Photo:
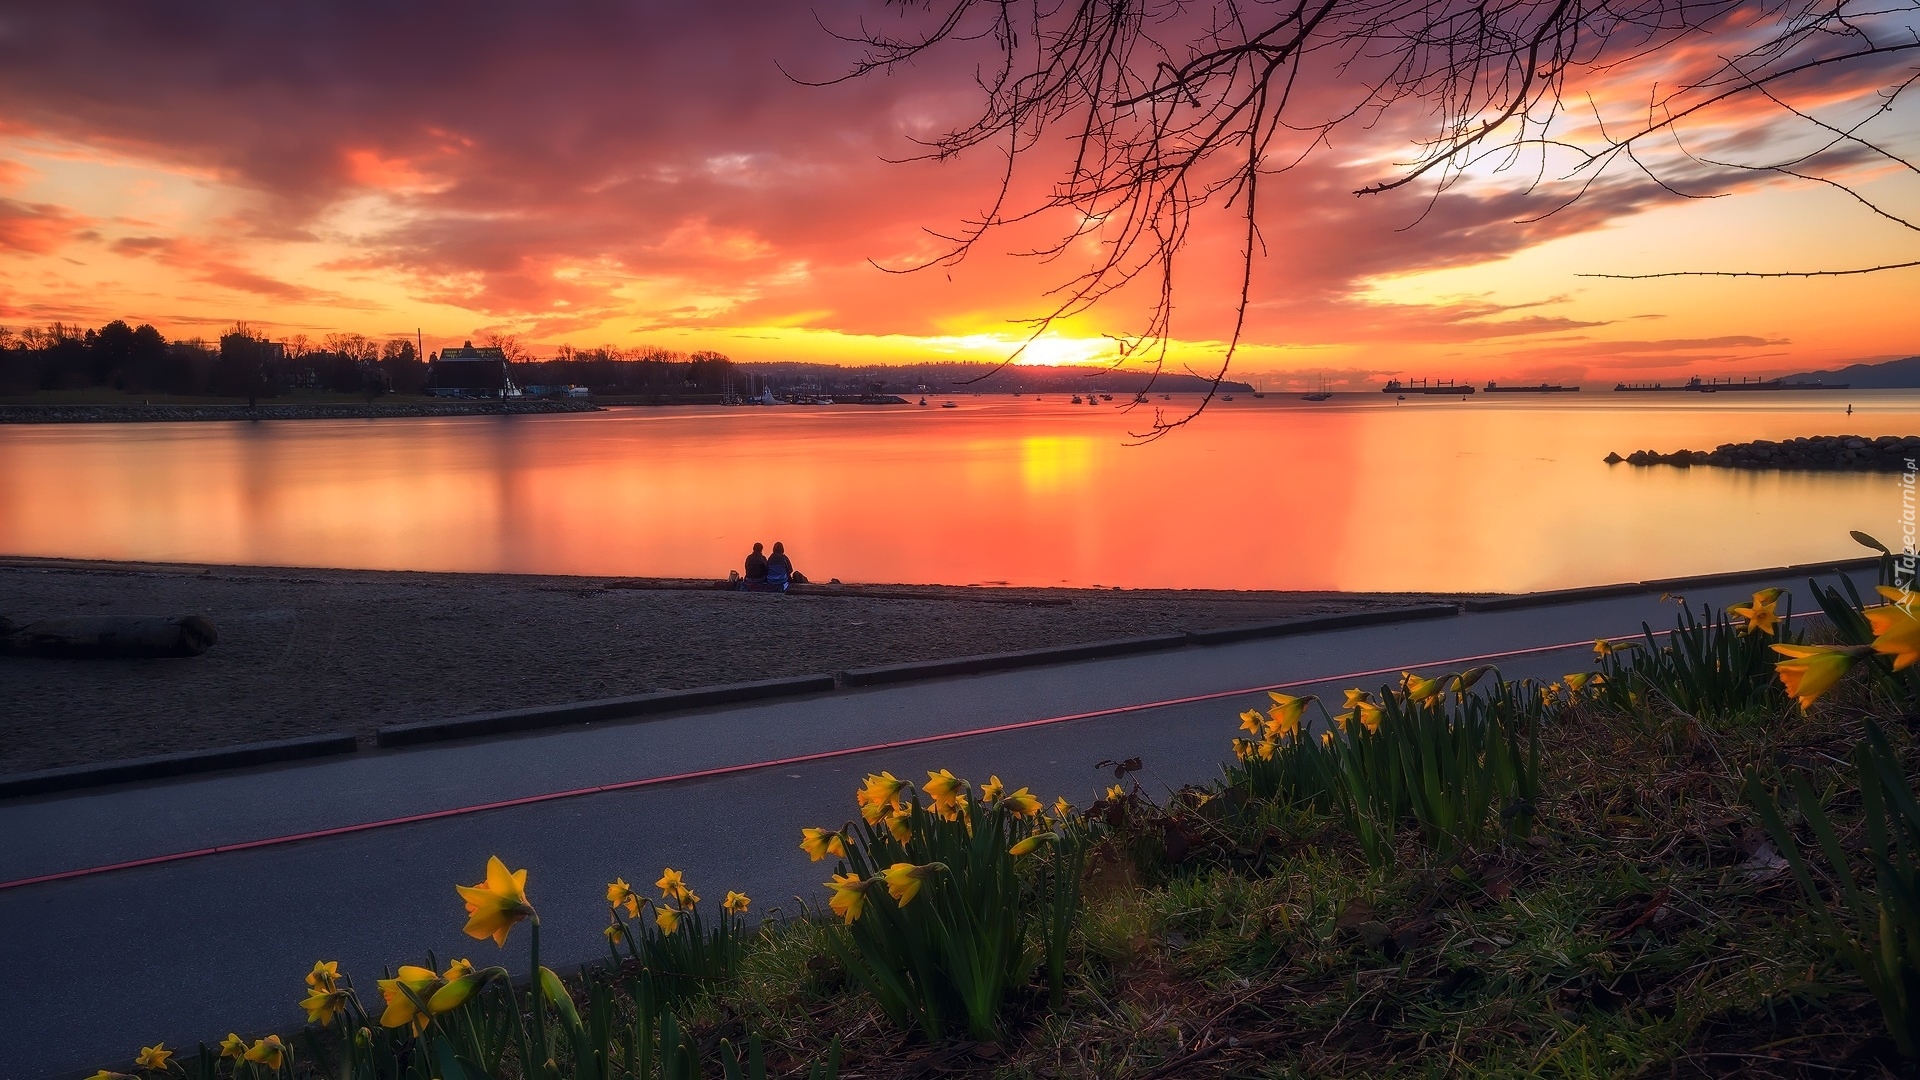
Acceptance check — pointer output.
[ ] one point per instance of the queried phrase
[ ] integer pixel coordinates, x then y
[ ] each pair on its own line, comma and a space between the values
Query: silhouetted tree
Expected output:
1165, 108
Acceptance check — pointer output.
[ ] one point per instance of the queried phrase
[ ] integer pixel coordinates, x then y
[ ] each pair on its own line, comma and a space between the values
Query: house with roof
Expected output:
470, 372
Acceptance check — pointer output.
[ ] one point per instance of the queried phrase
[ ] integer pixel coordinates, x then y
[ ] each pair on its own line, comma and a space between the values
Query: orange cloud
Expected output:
39, 228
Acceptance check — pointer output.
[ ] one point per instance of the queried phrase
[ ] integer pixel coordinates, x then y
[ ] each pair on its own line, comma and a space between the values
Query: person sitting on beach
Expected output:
757, 567
780, 568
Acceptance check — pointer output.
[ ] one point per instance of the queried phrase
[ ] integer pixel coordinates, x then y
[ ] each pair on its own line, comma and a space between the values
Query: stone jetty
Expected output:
1851, 453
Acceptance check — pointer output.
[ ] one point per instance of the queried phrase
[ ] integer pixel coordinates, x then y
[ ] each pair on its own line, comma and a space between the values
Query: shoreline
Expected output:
374, 410
303, 651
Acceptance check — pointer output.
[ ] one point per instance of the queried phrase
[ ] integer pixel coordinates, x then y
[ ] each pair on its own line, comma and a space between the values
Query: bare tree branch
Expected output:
1167, 108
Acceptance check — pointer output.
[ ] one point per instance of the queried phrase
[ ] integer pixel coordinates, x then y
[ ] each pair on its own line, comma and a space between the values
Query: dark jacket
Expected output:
756, 567
779, 568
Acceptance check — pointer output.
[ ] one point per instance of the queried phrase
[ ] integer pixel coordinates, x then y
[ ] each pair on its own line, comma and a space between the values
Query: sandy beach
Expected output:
308, 651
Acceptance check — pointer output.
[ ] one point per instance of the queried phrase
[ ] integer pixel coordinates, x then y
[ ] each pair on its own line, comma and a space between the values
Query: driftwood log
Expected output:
109, 637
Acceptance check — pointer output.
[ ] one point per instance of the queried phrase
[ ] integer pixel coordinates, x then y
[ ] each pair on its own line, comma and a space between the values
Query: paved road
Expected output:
93, 967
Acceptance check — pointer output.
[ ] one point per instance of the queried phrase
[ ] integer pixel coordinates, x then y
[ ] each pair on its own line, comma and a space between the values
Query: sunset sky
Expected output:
646, 174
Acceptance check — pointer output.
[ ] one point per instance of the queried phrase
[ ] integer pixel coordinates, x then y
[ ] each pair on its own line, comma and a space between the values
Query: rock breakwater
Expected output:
1852, 453
130, 414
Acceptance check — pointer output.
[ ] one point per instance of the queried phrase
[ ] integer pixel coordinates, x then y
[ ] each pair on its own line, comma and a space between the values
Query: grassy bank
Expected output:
1450, 876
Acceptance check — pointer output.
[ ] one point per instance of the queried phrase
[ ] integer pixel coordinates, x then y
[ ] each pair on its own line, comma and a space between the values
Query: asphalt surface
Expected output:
95, 966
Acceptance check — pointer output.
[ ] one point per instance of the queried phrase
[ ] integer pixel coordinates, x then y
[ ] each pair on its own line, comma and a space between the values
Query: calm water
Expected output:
1357, 493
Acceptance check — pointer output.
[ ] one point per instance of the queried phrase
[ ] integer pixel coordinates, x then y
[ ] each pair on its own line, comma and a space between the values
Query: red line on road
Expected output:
755, 766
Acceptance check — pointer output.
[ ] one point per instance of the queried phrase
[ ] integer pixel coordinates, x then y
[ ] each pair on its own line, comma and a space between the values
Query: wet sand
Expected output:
303, 652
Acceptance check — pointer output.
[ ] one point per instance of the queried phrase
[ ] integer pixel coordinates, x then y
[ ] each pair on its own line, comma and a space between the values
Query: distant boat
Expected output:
948, 405
1228, 397
1142, 396
1422, 386
1321, 394
1076, 399
1543, 388
1106, 397
923, 403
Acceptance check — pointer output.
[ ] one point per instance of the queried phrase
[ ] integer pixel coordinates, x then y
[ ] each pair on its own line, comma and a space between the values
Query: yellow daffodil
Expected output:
877, 793
104, 1074
849, 895
401, 993
671, 884
667, 917
324, 976
1577, 681
946, 790
1023, 803
620, 894
1114, 793
233, 1046
990, 791
1369, 715
1242, 749
1355, 697
496, 904
1253, 721
616, 933
735, 903
1896, 631
153, 1057
1760, 616
1811, 670
900, 824
1032, 843
904, 879
819, 843
1283, 722
324, 1005
1265, 748
1061, 807
269, 1051
1421, 689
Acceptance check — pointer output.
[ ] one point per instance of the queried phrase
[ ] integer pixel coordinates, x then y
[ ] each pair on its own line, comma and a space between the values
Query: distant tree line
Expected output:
241, 364
611, 371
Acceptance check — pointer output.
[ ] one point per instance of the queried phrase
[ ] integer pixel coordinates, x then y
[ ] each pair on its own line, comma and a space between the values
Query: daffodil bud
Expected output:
453, 995
1032, 843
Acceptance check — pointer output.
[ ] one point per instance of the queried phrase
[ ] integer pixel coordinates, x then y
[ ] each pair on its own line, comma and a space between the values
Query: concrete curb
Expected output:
166, 765
581, 712
974, 665
1307, 624
1635, 588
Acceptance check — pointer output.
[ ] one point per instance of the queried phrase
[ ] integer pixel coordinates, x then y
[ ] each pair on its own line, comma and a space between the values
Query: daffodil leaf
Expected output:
1867, 541
447, 1062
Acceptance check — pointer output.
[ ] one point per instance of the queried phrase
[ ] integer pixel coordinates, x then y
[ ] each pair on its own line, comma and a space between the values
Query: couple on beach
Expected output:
771, 573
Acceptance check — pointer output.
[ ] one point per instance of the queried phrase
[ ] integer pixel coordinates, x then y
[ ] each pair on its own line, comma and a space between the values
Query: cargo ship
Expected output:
1422, 386
1710, 386
1543, 388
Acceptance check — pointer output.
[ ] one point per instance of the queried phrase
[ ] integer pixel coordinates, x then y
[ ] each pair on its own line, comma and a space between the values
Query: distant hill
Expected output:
1891, 375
